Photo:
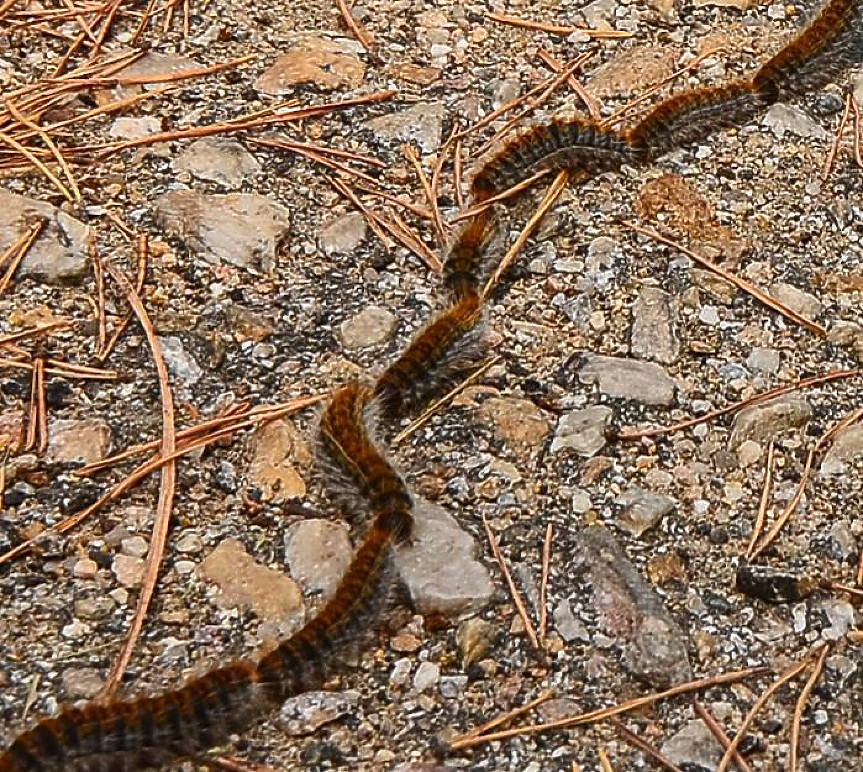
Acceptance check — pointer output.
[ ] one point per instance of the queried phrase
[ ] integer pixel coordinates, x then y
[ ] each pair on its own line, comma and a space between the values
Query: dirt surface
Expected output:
276, 289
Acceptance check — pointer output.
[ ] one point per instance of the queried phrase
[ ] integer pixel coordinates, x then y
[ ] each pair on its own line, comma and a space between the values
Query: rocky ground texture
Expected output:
266, 284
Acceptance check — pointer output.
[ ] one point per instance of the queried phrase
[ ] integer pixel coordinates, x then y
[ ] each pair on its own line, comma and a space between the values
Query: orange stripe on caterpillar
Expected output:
357, 465
433, 359
826, 47
570, 143
694, 115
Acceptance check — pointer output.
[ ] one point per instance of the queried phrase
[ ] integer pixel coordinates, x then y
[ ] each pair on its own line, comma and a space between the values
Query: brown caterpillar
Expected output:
152, 731
830, 44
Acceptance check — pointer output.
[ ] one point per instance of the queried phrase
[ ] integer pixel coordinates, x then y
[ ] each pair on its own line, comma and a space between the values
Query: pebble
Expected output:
277, 448
401, 672
850, 334
845, 450
308, 712
840, 614
694, 746
246, 584
653, 327
318, 553
129, 570
641, 509
764, 360
93, 608
372, 326
784, 119
135, 128
633, 71
189, 543
749, 453
328, 64
241, 229
59, 254
82, 683
582, 430
85, 569
796, 299
519, 423
630, 611
426, 677
422, 123
644, 382
473, 638
769, 420
180, 363
218, 159
134, 546
344, 234
569, 628
440, 567
452, 687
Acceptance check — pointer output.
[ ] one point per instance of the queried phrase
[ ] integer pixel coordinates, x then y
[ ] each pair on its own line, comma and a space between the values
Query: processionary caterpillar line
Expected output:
123, 736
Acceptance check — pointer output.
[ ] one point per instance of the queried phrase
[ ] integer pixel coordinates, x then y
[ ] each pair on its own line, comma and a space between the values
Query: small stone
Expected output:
318, 553
189, 544
846, 449
570, 628
426, 676
765, 360
653, 335
693, 746
306, 713
59, 254
180, 363
134, 546
344, 234
405, 643
82, 683
401, 672
644, 382
631, 612
328, 64
370, 327
128, 570
134, 128
277, 449
85, 569
642, 510
784, 119
518, 422
749, 453
769, 420
242, 229
422, 123
797, 300
840, 614
439, 566
217, 159
474, 640
245, 584
452, 687
709, 315
582, 430
93, 608
633, 71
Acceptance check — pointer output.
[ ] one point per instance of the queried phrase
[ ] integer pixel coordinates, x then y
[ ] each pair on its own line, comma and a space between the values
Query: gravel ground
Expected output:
277, 290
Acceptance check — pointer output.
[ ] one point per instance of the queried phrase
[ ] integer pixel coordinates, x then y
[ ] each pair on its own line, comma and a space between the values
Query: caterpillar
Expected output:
829, 45
832, 43
151, 731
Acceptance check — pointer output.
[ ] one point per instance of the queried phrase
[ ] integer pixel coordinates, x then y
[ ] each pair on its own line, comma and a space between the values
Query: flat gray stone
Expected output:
318, 552
644, 382
844, 451
769, 420
439, 566
796, 299
641, 509
582, 430
784, 119
653, 327
217, 159
422, 123
78, 442
372, 326
307, 712
344, 234
59, 254
694, 745
243, 229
